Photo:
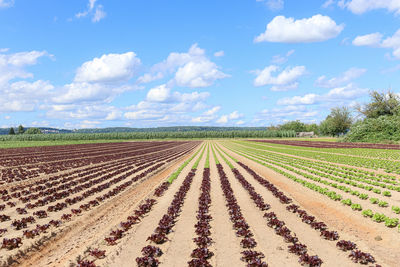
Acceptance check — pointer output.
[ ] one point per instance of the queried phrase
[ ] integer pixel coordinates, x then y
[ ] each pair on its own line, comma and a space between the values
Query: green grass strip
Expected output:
215, 156
207, 165
225, 159
235, 160
196, 164
174, 175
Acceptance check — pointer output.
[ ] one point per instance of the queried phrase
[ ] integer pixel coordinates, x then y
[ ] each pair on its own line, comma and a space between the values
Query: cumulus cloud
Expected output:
18, 94
159, 94
372, 39
232, 116
345, 77
191, 69
362, 6
108, 68
207, 115
285, 80
375, 40
339, 94
198, 74
318, 28
84, 92
163, 94
76, 111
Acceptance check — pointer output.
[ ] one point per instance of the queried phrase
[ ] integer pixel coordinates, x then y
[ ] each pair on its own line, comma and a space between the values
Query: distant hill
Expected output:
48, 130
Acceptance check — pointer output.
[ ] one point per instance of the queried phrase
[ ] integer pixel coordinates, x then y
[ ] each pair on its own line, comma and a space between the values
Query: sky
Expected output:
115, 63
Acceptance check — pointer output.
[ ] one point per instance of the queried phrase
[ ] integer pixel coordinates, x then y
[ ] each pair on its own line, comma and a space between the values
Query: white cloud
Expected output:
92, 3
235, 115
198, 74
23, 95
362, 6
287, 113
318, 28
159, 94
391, 69
16, 93
192, 69
328, 3
80, 92
219, 54
240, 122
90, 92
99, 14
339, 94
286, 80
108, 68
6, 3
232, 116
163, 94
346, 77
274, 5
207, 115
148, 77
21, 59
223, 119
212, 111
394, 43
279, 59
12, 66
372, 39
93, 9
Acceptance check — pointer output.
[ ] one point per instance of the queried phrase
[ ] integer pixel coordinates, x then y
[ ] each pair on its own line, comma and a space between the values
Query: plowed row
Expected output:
214, 204
329, 144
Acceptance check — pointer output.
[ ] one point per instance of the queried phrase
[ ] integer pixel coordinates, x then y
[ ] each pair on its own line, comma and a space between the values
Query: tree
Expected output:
33, 131
296, 126
386, 103
313, 127
337, 122
21, 129
11, 132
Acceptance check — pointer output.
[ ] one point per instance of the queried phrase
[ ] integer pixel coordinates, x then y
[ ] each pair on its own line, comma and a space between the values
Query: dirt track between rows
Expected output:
90, 229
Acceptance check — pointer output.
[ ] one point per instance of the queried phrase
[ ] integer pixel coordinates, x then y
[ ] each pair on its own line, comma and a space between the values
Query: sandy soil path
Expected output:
130, 247
362, 232
93, 225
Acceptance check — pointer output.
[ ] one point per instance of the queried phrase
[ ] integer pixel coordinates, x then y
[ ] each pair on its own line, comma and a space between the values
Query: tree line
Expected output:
21, 130
376, 121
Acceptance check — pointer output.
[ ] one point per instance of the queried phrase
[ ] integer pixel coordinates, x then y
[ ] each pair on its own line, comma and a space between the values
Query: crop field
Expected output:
200, 203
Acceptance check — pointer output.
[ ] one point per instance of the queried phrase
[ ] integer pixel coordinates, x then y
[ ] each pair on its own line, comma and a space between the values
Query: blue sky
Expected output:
99, 63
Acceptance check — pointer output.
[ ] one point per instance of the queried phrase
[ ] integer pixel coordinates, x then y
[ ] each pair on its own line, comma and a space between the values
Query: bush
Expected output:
33, 131
385, 129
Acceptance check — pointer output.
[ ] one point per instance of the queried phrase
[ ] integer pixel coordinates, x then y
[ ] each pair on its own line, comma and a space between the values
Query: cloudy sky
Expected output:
100, 63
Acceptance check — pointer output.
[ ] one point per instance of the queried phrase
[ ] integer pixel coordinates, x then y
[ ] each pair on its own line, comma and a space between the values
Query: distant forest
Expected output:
47, 130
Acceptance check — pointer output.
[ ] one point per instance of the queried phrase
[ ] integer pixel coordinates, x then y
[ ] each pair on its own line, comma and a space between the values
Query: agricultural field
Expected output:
200, 203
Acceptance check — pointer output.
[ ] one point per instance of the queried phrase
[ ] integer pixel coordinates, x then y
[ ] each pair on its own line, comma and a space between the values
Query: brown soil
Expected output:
66, 247
350, 224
